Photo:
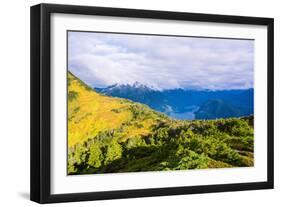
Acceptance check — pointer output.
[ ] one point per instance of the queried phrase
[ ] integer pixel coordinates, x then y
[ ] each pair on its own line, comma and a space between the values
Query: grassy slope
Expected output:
90, 113
107, 134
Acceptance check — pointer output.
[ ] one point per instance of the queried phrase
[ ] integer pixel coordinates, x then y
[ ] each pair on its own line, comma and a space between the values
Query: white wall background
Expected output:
14, 102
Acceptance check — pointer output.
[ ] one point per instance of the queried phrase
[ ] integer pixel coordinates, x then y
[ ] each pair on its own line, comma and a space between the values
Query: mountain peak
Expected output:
136, 85
143, 86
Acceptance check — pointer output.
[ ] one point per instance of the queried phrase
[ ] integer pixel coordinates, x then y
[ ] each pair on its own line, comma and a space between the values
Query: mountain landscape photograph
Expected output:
140, 103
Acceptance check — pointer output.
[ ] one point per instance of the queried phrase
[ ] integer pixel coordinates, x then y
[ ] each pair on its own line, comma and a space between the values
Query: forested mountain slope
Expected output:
107, 135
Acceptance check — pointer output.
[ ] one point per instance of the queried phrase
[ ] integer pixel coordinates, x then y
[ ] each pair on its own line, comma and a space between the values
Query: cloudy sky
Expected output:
162, 62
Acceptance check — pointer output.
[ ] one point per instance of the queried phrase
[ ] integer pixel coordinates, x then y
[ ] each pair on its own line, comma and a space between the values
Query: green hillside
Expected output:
108, 135
217, 108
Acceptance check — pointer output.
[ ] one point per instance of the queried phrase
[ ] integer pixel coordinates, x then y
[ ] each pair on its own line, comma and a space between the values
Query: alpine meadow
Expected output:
141, 103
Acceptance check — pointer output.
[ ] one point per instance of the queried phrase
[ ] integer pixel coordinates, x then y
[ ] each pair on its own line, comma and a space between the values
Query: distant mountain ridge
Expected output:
177, 102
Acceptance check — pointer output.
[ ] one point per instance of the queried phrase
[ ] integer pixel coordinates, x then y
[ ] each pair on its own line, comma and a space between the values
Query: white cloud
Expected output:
102, 59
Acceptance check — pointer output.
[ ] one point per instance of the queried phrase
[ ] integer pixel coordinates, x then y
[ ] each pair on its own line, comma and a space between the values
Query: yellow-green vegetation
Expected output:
90, 113
109, 135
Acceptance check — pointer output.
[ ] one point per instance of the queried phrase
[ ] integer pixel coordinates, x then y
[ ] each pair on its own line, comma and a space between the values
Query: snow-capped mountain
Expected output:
136, 92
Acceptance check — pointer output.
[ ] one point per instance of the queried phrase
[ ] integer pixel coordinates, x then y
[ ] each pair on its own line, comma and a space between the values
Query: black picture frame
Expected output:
41, 99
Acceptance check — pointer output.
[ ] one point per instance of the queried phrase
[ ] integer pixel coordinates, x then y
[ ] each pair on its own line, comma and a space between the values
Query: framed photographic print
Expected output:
132, 103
